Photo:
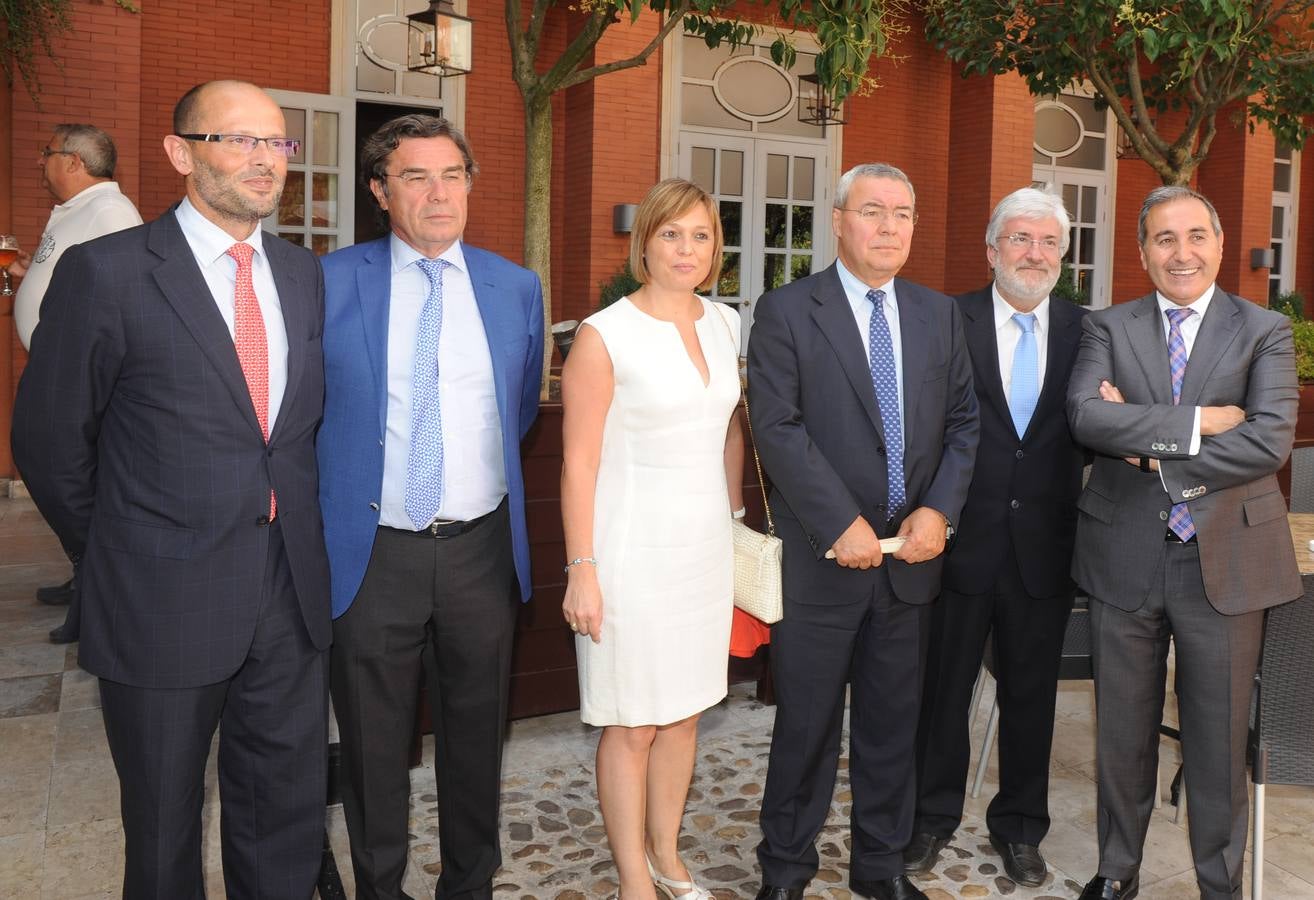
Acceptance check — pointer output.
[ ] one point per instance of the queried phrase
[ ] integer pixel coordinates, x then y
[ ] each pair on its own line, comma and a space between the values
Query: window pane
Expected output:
421, 84
701, 168
804, 168
1278, 216
296, 128
1090, 155
324, 208
774, 229
777, 180
294, 237
700, 107
1087, 250
700, 62
1041, 159
1084, 107
773, 269
800, 266
801, 230
730, 221
370, 76
1070, 199
326, 139
1057, 130
323, 243
292, 204
754, 88
732, 173
728, 284
1282, 176
1089, 202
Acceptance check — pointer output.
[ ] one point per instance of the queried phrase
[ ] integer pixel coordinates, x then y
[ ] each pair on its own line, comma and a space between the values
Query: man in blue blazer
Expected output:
432, 352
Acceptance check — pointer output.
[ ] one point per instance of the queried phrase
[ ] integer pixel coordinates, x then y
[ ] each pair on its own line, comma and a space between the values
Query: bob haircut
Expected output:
666, 202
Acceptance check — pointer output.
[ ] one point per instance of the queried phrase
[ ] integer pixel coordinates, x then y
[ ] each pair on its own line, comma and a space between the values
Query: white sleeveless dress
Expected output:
661, 522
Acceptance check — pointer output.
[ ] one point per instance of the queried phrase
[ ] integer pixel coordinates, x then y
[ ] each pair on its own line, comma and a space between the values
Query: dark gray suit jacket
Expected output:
1243, 356
818, 428
135, 433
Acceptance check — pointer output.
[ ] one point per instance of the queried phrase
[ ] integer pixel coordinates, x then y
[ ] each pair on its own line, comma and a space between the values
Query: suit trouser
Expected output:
272, 716
456, 597
876, 646
1216, 659
1027, 637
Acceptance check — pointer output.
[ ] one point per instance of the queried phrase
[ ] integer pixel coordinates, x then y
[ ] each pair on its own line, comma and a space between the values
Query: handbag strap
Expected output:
752, 441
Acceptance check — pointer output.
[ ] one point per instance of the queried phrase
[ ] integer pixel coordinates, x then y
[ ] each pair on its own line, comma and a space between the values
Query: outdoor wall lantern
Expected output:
816, 105
1262, 258
439, 42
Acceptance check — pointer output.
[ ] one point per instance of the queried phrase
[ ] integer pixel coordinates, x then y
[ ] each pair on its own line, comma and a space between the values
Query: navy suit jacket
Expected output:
819, 433
359, 278
1024, 490
135, 433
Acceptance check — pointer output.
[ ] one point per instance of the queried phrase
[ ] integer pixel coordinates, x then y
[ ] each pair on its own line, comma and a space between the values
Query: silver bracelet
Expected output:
578, 561
739, 513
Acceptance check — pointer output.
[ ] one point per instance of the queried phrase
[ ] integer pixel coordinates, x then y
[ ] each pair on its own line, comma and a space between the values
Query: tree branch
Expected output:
675, 17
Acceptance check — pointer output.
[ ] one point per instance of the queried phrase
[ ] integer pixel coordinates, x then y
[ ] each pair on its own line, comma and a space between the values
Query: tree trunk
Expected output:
538, 211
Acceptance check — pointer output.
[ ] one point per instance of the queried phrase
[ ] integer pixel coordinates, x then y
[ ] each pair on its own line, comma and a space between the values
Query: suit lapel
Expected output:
292, 300
494, 316
179, 278
1061, 349
834, 318
982, 342
1222, 322
373, 290
1147, 338
915, 333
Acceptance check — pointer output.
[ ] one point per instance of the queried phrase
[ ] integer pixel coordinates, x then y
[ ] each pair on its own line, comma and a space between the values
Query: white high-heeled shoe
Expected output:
687, 890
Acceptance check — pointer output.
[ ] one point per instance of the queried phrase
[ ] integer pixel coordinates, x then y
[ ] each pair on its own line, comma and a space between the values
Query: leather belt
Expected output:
445, 528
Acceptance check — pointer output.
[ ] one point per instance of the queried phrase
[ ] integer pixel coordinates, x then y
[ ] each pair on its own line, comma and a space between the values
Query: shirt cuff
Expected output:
1195, 434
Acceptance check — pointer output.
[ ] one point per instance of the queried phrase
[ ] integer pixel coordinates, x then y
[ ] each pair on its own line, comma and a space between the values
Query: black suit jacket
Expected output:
1024, 491
135, 433
818, 429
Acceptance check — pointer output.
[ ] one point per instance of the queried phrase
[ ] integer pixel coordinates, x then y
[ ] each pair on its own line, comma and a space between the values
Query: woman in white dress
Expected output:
649, 393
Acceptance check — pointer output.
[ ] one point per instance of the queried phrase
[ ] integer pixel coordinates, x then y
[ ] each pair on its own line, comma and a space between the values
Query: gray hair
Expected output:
870, 170
1167, 194
92, 145
1030, 203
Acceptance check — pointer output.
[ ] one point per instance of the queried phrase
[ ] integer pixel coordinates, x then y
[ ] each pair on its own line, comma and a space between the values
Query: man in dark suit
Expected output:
864, 416
432, 352
1008, 572
165, 427
1189, 394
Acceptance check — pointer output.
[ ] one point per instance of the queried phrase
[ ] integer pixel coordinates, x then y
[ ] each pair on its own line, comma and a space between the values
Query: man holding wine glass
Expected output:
77, 167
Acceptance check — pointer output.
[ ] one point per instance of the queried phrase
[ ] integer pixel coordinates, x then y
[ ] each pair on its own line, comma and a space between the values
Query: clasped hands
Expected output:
859, 547
1213, 419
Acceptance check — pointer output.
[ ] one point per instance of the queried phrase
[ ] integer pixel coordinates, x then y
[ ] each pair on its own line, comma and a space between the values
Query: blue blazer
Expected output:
358, 281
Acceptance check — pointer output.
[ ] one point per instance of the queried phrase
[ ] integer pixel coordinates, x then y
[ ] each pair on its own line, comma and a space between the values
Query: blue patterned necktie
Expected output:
424, 466
1179, 520
1024, 390
886, 382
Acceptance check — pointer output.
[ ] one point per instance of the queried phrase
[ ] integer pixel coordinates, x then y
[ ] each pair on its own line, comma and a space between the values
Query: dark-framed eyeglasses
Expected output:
46, 153
246, 144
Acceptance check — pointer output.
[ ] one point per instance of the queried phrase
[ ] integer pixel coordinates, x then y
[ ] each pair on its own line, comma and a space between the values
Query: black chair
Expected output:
1302, 480
1282, 739
1075, 664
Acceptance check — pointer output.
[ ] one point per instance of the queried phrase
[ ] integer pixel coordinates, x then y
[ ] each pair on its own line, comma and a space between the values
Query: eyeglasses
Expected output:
449, 178
877, 213
46, 153
1019, 240
246, 144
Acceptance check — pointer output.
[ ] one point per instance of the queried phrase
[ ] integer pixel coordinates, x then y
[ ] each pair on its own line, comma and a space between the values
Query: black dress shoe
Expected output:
1022, 862
63, 634
55, 595
1099, 888
770, 892
896, 888
920, 856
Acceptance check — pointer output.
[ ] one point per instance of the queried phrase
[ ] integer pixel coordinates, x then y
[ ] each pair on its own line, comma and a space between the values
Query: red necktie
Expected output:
252, 348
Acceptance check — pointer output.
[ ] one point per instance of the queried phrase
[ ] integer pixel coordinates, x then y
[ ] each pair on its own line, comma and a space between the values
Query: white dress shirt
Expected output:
474, 471
210, 245
856, 292
1007, 334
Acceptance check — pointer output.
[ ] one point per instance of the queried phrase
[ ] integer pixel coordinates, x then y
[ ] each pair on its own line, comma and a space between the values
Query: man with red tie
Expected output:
165, 427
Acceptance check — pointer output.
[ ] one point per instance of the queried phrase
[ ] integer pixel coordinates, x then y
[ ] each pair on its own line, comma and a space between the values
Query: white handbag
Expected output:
758, 587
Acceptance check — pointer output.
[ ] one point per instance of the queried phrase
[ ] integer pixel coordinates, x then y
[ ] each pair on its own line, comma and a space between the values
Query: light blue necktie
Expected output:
1025, 388
1179, 520
885, 379
424, 466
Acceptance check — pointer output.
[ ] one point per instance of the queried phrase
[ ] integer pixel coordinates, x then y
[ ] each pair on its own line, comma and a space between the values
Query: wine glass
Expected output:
8, 253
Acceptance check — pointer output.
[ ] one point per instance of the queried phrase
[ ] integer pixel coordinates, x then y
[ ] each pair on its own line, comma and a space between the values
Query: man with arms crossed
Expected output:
1189, 395
77, 168
432, 351
865, 420
1008, 572
165, 426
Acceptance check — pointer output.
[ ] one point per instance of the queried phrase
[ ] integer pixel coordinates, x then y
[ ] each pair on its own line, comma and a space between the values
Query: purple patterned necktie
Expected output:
1179, 520
885, 380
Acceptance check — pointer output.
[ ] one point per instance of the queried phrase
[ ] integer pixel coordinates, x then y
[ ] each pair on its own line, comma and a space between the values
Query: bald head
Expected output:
189, 111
